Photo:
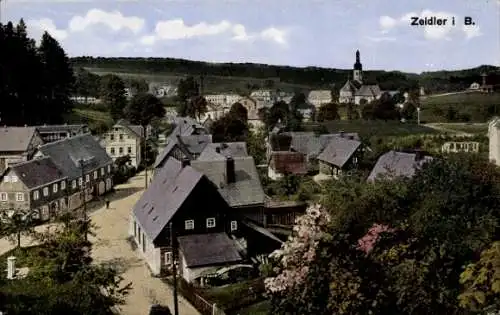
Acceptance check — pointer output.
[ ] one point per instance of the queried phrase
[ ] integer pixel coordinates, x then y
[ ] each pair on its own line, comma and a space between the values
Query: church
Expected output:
354, 91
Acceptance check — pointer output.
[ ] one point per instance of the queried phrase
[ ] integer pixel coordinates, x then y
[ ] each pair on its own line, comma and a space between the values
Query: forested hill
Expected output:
310, 76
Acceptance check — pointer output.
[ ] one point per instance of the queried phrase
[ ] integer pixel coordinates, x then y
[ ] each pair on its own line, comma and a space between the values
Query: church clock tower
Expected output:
358, 69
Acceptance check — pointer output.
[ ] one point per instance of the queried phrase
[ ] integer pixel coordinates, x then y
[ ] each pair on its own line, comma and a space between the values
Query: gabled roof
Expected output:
245, 191
394, 164
339, 150
65, 127
189, 145
66, 154
208, 249
187, 126
38, 172
369, 90
350, 86
167, 192
219, 151
320, 94
137, 130
288, 162
16, 139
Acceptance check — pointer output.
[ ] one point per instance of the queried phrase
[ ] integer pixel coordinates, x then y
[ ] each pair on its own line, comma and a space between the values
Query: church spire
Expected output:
357, 65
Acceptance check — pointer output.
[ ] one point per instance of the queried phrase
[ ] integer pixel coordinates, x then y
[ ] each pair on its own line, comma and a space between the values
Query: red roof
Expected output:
289, 162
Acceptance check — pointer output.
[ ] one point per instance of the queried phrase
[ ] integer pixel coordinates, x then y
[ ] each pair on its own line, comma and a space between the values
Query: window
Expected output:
355, 159
129, 150
3, 196
102, 171
168, 258
54, 188
210, 222
87, 178
80, 181
63, 185
95, 174
120, 150
234, 225
189, 224
121, 137
112, 151
20, 197
45, 191
73, 184
109, 168
36, 195
13, 178
111, 137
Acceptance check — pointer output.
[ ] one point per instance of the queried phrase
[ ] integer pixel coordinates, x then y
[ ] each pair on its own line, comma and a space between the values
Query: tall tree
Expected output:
187, 89
239, 111
113, 95
328, 112
58, 78
143, 108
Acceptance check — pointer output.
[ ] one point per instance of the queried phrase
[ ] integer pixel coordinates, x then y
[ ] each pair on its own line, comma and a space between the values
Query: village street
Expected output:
111, 245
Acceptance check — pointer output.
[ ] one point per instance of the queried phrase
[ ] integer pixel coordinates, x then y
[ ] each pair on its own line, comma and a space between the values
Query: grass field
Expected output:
476, 105
369, 128
97, 121
211, 84
472, 128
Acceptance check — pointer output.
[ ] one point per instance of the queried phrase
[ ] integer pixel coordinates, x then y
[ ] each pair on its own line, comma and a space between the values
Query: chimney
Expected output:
11, 267
230, 173
185, 162
217, 149
194, 126
341, 134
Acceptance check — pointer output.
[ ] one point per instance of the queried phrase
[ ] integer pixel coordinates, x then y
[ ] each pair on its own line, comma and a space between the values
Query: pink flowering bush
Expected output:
295, 255
367, 242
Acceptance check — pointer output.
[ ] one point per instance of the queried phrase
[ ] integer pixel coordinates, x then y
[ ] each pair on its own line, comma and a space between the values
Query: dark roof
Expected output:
189, 145
38, 172
234, 149
66, 154
56, 128
138, 130
339, 150
187, 126
288, 162
311, 144
208, 249
208, 122
395, 164
195, 144
245, 191
262, 231
16, 139
167, 192
369, 90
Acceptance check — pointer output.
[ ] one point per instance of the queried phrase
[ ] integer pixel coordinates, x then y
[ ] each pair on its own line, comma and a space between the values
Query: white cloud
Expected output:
111, 32
113, 20
381, 38
431, 32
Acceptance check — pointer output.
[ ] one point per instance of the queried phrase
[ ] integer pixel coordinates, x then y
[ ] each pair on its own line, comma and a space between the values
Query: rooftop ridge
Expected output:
46, 145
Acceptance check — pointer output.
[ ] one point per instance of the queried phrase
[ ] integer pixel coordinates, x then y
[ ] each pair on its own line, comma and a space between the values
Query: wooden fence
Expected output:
190, 293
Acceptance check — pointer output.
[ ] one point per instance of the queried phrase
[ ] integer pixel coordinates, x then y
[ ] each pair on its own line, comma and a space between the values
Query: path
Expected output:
440, 127
111, 245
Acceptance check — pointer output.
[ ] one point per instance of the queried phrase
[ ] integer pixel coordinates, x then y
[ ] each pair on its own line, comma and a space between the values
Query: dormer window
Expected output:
210, 222
45, 191
189, 224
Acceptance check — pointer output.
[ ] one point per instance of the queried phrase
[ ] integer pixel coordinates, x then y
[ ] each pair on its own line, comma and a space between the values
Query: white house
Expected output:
319, 97
494, 140
124, 139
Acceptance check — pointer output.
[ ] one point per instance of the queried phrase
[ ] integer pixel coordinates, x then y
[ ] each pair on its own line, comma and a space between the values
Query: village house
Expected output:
214, 112
460, 146
395, 164
36, 187
494, 141
124, 139
319, 97
219, 151
355, 90
222, 100
50, 133
264, 95
17, 144
84, 164
85, 100
341, 155
210, 236
286, 162
252, 106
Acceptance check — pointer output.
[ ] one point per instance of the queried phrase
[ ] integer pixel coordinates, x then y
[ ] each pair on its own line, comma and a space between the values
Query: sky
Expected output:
323, 33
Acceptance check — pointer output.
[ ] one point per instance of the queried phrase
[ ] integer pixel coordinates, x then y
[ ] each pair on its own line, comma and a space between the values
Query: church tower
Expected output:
358, 69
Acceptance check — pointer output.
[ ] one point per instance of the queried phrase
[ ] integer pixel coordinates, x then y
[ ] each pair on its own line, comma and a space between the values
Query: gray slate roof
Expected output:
369, 90
67, 152
338, 151
234, 149
138, 130
192, 144
16, 139
38, 172
311, 145
68, 128
394, 164
208, 249
245, 191
166, 194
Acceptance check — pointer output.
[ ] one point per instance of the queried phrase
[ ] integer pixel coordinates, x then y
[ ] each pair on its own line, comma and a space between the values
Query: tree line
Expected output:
311, 76
35, 80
